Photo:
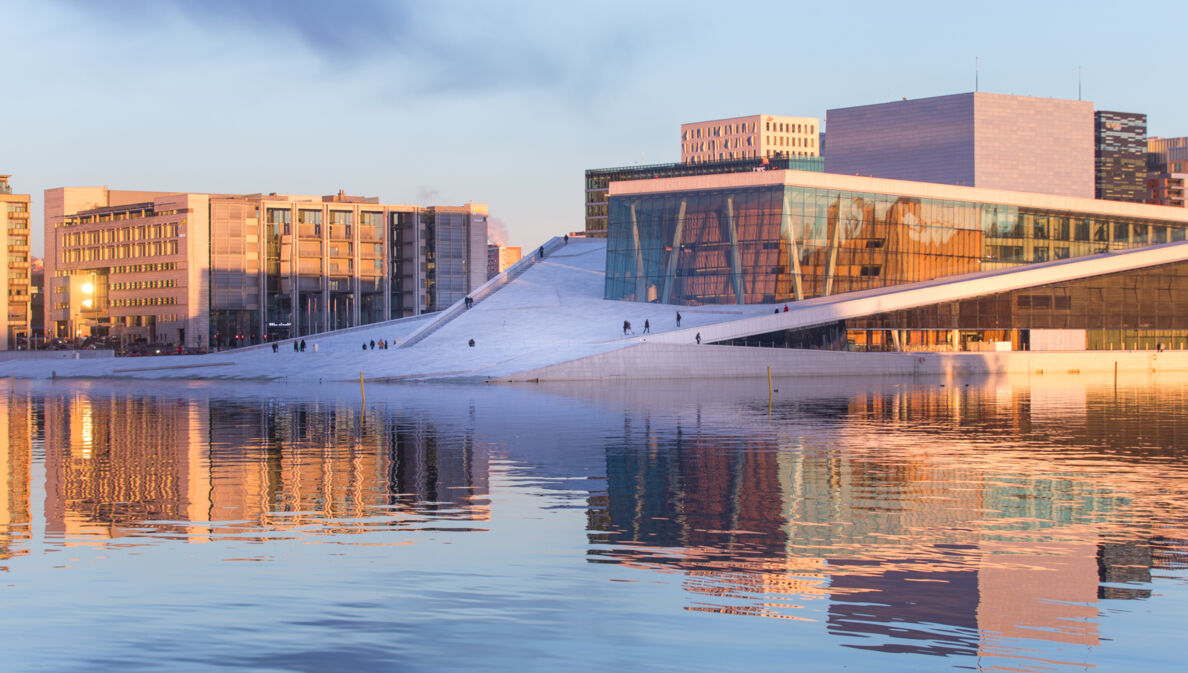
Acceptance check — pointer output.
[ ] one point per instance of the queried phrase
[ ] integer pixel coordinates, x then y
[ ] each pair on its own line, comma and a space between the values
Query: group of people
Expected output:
382, 343
298, 346
647, 328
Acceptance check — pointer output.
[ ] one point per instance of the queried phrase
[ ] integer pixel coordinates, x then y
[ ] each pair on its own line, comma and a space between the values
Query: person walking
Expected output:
274, 346
294, 346
470, 343
698, 337
303, 345
626, 327
566, 239
540, 252
364, 346
647, 327
373, 344
678, 318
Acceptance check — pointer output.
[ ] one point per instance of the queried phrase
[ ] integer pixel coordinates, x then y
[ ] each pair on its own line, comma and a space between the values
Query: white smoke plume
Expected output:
496, 231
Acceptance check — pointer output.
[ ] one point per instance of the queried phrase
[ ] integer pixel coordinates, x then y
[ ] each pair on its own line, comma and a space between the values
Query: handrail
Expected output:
483, 291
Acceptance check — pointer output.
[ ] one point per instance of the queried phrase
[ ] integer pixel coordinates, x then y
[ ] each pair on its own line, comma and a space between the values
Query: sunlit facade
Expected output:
14, 273
598, 179
500, 257
782, 236
216, 271
750, 137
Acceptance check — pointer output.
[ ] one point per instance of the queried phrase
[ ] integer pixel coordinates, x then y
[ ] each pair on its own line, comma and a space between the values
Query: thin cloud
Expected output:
424, 49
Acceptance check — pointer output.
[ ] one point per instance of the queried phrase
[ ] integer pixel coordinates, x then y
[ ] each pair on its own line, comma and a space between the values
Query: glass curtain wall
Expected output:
278, 304
783, 243
1142, 309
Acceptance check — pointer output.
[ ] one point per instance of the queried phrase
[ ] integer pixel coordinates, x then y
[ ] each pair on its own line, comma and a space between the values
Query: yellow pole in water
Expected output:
362, 390
769, 389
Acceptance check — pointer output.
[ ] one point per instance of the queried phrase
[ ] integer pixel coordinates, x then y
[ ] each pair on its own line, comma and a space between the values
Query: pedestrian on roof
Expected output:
626, 327
303, 345
698, 337
678, 318
647, 327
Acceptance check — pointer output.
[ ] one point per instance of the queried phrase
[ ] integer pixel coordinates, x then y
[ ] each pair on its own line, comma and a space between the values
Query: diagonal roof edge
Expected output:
825, 310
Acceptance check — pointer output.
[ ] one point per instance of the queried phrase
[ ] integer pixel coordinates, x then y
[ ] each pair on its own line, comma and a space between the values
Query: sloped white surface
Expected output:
553, 313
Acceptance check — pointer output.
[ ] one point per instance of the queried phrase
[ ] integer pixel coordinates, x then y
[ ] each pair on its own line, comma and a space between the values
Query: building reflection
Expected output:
16, 423
934, 520
123, 465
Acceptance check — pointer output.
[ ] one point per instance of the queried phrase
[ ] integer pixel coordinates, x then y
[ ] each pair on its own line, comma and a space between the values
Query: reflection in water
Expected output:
936, 520
16, 423
909, 518
134, 465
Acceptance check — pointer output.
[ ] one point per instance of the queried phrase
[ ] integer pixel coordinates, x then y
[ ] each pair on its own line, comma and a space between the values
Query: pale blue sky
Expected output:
508, 103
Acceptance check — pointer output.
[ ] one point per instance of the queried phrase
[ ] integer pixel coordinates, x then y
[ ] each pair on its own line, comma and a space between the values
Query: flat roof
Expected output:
924, 190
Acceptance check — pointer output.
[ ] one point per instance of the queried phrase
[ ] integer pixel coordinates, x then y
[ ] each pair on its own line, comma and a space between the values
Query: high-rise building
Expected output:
14, 273
751, 137
500, 257
219, 270
975, 139
1120, 155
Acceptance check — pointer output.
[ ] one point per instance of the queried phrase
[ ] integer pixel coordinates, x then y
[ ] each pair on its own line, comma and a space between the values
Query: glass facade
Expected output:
782, 243
1120, 155
598, 179
1139, 309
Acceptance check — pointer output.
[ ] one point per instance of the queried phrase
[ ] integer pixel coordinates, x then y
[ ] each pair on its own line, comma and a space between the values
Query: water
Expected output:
1029, 525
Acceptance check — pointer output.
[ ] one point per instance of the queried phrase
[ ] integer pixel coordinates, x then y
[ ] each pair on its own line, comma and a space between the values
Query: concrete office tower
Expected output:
500, 257
994, 141
756, 136
1120, 155
220, 270
14, 273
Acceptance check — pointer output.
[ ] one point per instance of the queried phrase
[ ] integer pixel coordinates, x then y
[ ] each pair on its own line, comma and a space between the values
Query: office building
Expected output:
1120, 155
598, 179
1167, 170
1165, 189
220, 270
975, 139
500, 257
14, 278
751, 137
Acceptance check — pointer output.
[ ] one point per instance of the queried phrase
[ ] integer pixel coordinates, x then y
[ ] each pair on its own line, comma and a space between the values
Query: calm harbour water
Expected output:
1028, 525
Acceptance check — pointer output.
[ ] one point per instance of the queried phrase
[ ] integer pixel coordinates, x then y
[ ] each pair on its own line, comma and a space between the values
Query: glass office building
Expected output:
781, 236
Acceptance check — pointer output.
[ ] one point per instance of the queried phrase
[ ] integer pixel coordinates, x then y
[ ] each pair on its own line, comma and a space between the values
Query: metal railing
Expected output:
485, 290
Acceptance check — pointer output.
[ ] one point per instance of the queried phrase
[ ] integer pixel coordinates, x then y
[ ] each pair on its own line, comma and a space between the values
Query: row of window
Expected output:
137, 268
143, 285
143, 301
121, 235
123, 251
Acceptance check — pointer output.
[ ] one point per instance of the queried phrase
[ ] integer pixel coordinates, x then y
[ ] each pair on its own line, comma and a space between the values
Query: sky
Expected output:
507, 103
